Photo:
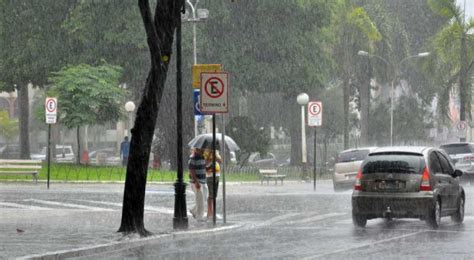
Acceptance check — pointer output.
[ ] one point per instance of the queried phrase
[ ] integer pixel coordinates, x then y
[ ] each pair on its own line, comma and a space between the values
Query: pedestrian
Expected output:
197, 178
124, 150
212, 189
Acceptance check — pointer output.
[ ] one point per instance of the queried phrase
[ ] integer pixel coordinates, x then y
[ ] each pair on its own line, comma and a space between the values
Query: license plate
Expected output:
391, 185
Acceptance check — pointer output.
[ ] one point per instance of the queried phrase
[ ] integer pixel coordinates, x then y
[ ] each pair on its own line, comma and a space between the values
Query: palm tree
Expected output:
454, 48
354, 30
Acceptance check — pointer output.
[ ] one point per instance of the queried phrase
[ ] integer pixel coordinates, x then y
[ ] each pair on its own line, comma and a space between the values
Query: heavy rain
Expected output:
236, 129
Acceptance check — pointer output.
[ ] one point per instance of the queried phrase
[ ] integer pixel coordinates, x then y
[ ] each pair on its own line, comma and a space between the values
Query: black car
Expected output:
408, 182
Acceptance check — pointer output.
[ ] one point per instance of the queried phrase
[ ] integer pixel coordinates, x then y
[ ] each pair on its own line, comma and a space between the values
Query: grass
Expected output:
72, 172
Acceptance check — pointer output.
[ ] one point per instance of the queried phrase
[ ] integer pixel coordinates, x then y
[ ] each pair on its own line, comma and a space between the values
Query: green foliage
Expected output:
31, 40
87, 95
449, 57
8, 128
270, 46
248, 137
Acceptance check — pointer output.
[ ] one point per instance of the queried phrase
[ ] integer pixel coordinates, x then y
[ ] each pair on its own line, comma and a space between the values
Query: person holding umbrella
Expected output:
197, 178
208, 155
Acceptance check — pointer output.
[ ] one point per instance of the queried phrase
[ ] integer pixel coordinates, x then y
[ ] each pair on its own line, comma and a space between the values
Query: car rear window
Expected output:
393, 163
351, 156
457, 148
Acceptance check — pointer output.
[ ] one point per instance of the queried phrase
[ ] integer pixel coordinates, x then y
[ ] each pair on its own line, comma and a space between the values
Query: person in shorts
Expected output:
212, 189
197, 178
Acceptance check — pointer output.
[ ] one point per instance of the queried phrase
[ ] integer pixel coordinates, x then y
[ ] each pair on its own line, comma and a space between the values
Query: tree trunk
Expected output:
365, 107
159, 32
24, 118
346, 92
462, 82
78, 156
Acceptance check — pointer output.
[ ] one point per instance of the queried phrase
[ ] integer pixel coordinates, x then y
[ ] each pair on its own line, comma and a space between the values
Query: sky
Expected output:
469, 7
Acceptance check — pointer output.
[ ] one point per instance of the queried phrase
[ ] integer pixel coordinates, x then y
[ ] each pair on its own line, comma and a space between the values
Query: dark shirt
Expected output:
198, 164
124, 148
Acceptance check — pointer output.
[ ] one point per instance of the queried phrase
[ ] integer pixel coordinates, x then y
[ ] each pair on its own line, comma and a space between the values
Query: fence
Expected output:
73, 173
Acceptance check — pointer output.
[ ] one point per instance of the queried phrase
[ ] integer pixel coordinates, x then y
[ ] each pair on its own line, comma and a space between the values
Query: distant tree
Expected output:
354, 30
87, 95
159, 29
276, 47
453, 57
249, 138
8, 127
32, 45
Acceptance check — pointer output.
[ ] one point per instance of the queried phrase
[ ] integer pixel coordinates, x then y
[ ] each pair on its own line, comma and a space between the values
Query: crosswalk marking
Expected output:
21, 206
149, 208
47, 202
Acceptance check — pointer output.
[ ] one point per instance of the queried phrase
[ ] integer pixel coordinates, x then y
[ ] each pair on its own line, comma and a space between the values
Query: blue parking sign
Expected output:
197, 106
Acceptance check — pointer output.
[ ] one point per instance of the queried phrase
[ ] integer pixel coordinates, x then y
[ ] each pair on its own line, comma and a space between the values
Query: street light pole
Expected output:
396, 72
129, 107
302, 100
180, 219
198, 15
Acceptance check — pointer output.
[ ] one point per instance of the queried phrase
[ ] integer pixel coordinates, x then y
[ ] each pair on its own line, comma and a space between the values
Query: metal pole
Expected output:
214, 169
303, 143
391, 115
180, 220
223, 169
314, 158
49, 153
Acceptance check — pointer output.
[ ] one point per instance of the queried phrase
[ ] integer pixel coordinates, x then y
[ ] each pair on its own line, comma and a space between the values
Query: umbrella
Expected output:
204, 141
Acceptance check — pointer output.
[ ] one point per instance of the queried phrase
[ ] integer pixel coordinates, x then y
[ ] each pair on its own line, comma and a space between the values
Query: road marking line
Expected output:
149, 208
316, 218
68, 205
364, 245
21, 206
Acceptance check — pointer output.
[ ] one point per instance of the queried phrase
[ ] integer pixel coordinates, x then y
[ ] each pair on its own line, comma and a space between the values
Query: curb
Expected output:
125, 244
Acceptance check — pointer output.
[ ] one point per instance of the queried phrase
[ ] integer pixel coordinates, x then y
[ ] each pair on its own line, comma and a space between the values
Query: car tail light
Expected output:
468, 158
358, 183
425, 180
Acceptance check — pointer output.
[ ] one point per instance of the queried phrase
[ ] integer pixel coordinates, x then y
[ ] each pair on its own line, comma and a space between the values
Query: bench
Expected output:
268, 174
12, 167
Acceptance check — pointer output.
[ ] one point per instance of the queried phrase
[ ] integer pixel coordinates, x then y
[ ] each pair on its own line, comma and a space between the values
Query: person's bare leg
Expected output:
209, 207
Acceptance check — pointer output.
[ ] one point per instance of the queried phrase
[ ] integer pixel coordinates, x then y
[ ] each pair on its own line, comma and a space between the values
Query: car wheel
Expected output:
359, 220
458, 216
434, 215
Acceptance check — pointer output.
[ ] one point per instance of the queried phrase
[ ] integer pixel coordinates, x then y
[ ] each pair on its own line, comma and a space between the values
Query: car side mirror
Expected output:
457, 173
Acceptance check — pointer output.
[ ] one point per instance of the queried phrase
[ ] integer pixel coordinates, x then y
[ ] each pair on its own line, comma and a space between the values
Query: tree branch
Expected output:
153, 40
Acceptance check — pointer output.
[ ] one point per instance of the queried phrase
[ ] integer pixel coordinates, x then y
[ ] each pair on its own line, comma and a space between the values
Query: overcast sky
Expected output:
469, 7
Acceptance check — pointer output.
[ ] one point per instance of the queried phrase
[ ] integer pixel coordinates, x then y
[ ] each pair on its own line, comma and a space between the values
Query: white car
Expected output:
64, 153
347, 165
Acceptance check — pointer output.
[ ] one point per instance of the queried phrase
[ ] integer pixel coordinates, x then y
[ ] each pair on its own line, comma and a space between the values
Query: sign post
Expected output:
51, 109
315, 118
214, 99
462, 129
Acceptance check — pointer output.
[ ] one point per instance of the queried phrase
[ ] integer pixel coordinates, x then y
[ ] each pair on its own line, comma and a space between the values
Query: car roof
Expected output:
458, 143
401, 149
358, 149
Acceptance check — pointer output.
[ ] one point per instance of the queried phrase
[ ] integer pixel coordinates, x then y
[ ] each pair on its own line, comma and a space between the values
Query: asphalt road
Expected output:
289, 221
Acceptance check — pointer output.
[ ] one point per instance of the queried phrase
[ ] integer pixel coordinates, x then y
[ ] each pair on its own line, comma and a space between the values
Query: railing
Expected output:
74, 173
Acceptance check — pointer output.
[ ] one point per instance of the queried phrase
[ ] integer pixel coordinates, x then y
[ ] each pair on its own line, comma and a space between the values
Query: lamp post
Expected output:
129, 107
396, 74
198, 15
302, 100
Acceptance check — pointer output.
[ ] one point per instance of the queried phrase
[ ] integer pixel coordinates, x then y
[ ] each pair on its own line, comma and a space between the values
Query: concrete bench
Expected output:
268, 174
13, 167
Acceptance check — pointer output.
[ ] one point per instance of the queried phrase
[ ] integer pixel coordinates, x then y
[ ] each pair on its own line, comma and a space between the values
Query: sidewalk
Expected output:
53, 232
49, 231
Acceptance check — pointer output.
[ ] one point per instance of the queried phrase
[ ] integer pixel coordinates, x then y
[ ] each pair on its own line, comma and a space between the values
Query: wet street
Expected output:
268, 222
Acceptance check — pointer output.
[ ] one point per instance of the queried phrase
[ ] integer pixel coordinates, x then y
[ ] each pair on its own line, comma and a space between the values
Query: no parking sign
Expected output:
51, 110
214, 92
315, 113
